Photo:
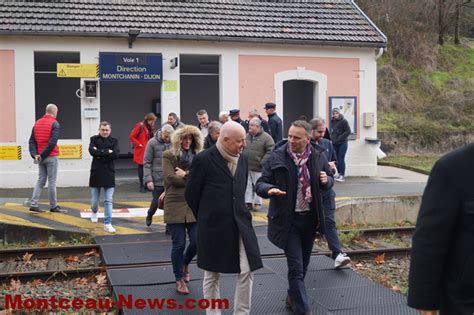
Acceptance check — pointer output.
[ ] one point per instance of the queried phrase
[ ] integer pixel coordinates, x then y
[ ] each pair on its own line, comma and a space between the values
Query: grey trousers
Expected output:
243, 287
250, 195
48, 170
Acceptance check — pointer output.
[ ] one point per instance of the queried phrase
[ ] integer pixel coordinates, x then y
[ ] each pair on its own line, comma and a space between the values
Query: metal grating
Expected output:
167, 291
266, 247
326, 279
279, 265
356, 297
131, 238
379, 310
330, 291
136, 253
261, 283
159, 275
148, 275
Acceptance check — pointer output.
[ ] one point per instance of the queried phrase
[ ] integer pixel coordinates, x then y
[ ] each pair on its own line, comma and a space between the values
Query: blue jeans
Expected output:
48, 170
180, 257
108, 195
331, 236
298, 253
341, 150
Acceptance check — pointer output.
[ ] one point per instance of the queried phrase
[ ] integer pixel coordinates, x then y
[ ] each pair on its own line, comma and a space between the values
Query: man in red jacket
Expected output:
44, 150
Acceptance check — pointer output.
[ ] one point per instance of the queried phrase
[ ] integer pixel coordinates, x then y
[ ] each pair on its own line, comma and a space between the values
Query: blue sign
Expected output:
130, 67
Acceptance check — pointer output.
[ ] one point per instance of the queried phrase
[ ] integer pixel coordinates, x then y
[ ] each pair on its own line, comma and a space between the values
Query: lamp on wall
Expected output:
132, 36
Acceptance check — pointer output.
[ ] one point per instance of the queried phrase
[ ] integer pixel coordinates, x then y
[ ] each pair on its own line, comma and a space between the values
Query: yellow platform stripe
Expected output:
139, 204
156, 219
259, 216
10, 219
85, 224
75, 205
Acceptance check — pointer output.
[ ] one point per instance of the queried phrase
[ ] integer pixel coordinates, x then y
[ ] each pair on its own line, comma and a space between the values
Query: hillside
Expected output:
425, 104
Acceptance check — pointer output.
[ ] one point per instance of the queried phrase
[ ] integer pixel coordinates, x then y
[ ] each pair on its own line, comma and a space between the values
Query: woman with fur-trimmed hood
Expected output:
186, 142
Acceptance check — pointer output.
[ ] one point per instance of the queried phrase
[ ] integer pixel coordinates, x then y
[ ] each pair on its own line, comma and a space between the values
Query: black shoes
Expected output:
292, 307
36, 209
57, 209
149, 219
142, 189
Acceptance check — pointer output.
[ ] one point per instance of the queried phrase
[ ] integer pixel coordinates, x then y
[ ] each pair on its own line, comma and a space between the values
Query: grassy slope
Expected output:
440, 95
424, 162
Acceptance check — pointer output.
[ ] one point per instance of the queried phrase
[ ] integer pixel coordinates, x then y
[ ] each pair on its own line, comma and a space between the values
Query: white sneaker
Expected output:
340, 178
94, 217
341, 260
109, 228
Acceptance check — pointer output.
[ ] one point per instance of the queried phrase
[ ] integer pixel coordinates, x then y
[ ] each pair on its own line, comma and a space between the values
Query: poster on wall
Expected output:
348, 107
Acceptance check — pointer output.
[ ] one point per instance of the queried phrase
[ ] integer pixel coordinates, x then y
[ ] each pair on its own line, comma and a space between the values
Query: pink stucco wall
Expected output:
257, 73
7, 96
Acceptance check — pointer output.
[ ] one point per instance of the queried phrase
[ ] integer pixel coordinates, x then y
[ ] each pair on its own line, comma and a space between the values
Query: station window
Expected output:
199, 85
60, 91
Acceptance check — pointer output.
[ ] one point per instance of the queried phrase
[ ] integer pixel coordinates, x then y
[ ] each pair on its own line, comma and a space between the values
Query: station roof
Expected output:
312, 22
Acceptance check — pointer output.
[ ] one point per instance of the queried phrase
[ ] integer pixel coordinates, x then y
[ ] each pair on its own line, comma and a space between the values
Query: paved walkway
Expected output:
14, 202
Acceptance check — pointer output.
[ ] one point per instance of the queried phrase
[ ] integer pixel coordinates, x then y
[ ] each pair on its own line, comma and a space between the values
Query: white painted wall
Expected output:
361, 158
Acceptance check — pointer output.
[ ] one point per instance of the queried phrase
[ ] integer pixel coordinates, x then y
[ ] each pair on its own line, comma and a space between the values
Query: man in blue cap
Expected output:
276, 125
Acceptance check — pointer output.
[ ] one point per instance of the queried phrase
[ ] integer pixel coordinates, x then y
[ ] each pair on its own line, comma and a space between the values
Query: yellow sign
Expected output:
10, 152
70, 151
170, 85
77, 70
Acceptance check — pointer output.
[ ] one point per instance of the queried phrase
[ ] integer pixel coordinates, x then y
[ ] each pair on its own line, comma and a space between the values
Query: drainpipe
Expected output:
380, 53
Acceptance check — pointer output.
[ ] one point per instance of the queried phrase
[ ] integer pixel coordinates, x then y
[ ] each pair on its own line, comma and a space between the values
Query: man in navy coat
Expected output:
293, 177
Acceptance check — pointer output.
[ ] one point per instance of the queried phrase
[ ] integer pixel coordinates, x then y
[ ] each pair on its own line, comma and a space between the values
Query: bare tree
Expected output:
457, 18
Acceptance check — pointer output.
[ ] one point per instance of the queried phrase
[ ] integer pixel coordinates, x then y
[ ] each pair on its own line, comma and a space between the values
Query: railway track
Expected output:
82, 260
49, 262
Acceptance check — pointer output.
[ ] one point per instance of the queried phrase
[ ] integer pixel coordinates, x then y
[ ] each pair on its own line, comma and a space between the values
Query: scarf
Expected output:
186, 158
231, 159
301, 162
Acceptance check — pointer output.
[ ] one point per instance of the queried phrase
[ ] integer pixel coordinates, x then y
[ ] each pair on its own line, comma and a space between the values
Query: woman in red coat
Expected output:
139, 136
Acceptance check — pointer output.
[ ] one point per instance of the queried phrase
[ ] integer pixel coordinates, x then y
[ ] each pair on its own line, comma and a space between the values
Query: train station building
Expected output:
118, 60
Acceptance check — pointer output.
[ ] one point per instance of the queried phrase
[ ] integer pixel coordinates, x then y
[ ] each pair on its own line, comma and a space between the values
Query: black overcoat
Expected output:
442, 257
217, 200
280, 172
102, 167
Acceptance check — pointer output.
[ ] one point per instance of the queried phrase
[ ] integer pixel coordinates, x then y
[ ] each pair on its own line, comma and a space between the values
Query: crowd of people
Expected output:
208, 178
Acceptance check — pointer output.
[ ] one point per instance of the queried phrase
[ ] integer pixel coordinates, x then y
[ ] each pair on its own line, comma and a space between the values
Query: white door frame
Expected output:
300, 73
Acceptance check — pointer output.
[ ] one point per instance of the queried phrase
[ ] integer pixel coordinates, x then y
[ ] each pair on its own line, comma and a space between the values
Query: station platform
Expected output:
330, 291
130, 205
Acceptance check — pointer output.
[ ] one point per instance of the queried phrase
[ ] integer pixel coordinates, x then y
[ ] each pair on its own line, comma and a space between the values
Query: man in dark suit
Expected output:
215, 191
293, 178
442, 257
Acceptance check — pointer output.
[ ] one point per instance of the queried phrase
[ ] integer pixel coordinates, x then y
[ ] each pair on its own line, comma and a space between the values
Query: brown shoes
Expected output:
181, 287
186, 276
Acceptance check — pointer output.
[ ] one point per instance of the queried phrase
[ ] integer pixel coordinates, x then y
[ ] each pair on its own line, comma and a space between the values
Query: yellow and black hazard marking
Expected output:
8, 218
10, 152
63, 221
97, 72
